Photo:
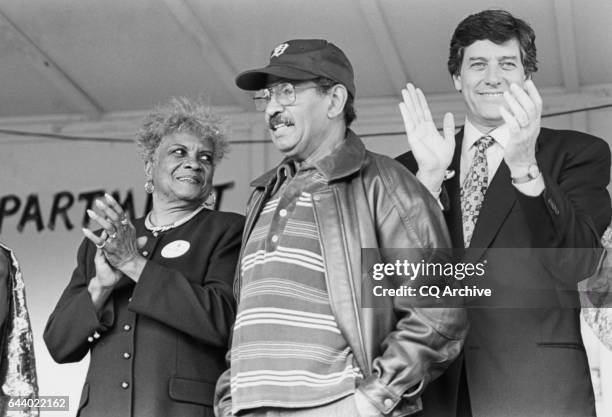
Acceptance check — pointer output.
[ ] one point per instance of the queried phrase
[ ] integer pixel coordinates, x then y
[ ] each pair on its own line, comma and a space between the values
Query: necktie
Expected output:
474, 188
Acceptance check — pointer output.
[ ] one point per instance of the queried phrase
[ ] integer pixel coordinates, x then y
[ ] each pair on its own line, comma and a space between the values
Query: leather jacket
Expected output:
371, 201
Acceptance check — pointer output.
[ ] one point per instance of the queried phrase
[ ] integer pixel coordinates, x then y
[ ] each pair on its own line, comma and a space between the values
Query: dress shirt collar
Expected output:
471, 134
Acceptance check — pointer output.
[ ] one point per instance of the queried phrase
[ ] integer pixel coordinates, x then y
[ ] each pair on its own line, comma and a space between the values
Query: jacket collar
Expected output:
345, 160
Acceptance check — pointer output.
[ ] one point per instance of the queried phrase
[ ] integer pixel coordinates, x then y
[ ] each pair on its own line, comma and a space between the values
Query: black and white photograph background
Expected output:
78, 77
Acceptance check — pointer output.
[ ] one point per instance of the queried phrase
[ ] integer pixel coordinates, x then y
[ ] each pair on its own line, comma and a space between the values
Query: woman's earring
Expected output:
213, 202
149, 187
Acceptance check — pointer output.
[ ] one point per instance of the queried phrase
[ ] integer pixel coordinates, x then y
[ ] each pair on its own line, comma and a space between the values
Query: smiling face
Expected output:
298, 129
181, 169
487, 70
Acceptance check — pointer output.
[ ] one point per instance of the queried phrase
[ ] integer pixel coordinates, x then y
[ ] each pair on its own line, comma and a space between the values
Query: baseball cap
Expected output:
302, 59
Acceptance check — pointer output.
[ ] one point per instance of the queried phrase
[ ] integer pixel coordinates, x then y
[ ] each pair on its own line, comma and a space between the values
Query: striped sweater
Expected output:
287, 349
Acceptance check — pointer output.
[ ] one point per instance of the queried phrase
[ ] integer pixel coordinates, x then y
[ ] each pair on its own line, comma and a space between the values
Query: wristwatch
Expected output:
533, 172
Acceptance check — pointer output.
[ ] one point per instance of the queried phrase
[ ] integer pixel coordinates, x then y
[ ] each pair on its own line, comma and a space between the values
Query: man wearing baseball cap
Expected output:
303, 343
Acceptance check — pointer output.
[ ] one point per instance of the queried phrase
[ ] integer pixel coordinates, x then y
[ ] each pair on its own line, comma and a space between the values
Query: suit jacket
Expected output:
157, 347
529, 359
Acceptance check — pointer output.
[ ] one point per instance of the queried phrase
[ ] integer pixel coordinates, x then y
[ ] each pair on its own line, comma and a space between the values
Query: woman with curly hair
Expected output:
151, 301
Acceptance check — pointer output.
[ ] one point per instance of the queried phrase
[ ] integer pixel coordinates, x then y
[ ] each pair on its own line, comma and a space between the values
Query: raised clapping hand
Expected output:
523, 120
106, 275
433, 152
118, 240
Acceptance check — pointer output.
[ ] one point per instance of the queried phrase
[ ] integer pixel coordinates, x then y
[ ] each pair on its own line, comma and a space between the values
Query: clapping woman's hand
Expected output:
106, 275
102, 284
118, 240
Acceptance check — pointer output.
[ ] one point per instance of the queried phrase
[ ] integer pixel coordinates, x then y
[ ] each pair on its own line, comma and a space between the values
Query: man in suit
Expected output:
507, 184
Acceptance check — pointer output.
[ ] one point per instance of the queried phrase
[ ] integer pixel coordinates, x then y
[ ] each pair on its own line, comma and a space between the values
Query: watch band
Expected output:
533, 172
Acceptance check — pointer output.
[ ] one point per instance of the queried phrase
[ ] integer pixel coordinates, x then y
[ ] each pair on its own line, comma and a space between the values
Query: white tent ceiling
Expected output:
94, 58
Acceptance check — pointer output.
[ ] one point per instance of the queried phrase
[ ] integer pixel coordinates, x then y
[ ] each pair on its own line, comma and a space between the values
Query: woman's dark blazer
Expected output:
157, 346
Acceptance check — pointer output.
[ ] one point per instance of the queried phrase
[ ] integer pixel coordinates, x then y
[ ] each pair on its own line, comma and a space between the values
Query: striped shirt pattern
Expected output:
287, 349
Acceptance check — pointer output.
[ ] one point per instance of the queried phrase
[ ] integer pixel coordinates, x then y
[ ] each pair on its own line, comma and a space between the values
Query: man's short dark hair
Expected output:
324, 85
497, 26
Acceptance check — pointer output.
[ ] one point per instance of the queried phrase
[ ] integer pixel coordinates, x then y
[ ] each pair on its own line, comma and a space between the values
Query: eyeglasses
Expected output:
284, 94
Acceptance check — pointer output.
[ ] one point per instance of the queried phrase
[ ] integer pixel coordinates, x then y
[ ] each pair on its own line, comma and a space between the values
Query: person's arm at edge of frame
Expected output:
4, 285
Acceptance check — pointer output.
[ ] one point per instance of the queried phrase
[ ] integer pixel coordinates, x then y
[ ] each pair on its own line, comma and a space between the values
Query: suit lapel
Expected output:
499, 199
498, 202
